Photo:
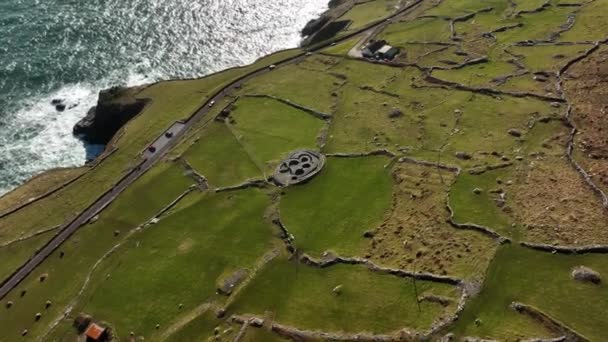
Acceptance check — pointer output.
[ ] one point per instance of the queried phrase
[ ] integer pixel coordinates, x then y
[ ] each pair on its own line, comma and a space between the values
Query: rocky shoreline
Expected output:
115, 107
327, 25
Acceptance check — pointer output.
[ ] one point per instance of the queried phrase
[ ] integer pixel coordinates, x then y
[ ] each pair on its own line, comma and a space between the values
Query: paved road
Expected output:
165, 138
150, 159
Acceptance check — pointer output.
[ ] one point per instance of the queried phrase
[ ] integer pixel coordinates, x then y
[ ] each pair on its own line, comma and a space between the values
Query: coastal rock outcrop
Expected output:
327, 25
314, 25
115, 107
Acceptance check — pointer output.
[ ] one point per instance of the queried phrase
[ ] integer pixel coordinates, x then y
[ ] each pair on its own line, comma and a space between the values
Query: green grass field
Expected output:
589, 23
419, 30
315, 91
485, 122
363, 123
369, 12
479, 75
548, 58
537, 26
342, 48
256, 334
320, 214
528, 5
220, 158
268, 130
38, 186
368, 302
159, 279
543, 281
526, 83
445, 58
201, 328
458, 8
17, 253
485, 22
480, 209
319, 62
365, 74
186, 252
66, 275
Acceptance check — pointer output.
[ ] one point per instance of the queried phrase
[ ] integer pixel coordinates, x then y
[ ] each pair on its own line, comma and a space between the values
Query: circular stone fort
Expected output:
299, 167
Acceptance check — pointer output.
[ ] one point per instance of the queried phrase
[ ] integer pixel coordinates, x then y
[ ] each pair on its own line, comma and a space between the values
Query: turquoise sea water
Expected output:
70, 49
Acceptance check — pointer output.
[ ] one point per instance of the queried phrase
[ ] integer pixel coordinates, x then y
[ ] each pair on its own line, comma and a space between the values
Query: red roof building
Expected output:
95, 333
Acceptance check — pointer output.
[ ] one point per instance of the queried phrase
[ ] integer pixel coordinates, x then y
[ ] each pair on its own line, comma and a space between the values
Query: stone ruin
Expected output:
299, 167
586, 274
227, 285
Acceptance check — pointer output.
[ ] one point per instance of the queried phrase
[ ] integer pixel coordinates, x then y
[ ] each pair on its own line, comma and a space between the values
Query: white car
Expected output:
272, 67
211, 104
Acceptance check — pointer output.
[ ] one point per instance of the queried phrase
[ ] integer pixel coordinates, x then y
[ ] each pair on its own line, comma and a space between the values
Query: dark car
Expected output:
169, 135
152, 149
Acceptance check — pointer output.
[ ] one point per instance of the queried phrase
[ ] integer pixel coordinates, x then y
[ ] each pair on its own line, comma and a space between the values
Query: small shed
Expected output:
96, 333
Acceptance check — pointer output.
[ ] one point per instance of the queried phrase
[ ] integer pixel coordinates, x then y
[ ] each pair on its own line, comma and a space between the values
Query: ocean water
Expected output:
71, 49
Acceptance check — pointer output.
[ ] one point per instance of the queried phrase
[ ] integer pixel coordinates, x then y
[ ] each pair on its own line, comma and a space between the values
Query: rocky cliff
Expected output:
115, 107
327, 25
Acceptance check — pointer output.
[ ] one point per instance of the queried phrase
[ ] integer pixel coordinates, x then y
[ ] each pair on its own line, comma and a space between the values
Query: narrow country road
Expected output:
151, 158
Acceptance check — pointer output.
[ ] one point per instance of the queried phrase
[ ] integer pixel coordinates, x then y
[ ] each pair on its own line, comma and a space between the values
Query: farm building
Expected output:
391, 53
383, 50
373, 47
387, 52
96, 333
380, 50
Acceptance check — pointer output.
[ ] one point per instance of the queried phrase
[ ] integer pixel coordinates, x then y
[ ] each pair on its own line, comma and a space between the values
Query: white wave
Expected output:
37, 137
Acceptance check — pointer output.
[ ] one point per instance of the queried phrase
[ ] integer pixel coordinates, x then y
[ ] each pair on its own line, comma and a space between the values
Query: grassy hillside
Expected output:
462, 180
